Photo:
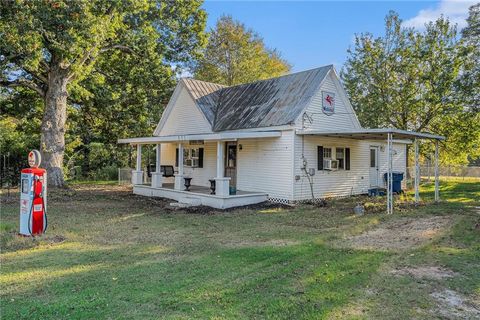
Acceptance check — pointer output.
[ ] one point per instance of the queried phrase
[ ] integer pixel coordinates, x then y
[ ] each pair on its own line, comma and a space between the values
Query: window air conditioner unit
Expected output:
329, 164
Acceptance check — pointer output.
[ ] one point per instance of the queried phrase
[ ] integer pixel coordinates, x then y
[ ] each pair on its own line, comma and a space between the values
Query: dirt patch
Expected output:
428, 272
205, 210
401, 234
452, 305
57, 239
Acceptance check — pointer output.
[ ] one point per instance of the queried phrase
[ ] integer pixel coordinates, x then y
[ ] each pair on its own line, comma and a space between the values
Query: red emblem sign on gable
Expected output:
328, 102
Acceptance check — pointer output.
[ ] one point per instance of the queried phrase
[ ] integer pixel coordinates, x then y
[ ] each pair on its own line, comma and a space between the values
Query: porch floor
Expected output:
205, 190
201, 195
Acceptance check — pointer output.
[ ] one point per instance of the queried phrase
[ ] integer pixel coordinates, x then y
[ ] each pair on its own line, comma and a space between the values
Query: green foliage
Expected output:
74, 34
236, 55
408, 79
116, 58
106, 173
469, 84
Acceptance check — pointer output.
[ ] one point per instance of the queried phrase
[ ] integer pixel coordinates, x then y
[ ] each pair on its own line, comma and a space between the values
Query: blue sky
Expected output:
315, 33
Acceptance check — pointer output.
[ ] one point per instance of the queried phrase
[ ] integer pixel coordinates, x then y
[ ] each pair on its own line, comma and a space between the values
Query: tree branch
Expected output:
17, 61
119, 47
23, 83
36, 75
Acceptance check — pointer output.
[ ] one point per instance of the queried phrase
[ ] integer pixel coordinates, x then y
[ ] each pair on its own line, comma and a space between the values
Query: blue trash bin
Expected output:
397, 178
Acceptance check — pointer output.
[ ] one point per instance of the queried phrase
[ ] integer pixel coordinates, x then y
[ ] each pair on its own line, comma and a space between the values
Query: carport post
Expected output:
437, 182
417, 173
389, 174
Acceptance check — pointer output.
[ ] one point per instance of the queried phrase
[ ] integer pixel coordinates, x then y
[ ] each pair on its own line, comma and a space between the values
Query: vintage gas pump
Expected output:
33, 197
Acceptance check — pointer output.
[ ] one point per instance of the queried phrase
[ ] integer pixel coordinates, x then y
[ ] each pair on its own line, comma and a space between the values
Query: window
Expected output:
327, 153
373, 158
24, 185
340, 156
191, 157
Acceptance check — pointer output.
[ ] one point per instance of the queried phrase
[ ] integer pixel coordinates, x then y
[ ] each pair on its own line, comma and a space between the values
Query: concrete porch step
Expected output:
187, 202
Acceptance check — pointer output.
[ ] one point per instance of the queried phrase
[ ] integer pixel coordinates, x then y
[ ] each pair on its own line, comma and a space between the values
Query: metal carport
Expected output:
388, 134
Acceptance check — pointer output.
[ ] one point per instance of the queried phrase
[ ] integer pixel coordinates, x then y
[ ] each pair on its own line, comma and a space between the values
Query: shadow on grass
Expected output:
453, 191
294, 281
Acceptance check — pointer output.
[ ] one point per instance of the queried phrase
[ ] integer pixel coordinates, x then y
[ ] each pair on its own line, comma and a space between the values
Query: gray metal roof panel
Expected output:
271, 102
205, 94
264, 103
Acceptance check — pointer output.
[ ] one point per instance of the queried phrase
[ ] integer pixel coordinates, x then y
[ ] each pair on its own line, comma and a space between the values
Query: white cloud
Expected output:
455, 10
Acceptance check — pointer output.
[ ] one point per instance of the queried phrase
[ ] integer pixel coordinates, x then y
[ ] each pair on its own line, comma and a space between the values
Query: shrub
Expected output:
105, 173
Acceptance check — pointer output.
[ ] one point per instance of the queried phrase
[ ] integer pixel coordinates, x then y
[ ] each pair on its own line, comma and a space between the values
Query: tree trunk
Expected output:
53, 126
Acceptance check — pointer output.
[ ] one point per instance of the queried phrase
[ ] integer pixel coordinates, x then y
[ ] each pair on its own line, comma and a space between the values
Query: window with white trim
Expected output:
191, 157
327, 153
340, 156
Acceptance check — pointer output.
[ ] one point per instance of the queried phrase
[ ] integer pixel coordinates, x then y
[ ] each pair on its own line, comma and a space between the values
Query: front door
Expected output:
374, 169
231, 162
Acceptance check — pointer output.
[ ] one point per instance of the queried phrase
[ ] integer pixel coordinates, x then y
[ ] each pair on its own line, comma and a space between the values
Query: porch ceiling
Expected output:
374, 134
207, 137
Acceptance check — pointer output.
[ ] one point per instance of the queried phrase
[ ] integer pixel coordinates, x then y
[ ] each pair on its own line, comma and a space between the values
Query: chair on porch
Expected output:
167, 171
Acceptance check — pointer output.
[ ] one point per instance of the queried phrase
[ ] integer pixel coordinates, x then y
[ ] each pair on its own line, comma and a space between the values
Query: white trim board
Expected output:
209, 136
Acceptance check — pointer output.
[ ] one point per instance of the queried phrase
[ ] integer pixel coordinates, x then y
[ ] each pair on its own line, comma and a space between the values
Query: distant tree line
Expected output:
421, 80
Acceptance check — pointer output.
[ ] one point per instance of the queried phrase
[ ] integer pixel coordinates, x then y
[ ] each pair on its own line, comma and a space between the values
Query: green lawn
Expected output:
112, 255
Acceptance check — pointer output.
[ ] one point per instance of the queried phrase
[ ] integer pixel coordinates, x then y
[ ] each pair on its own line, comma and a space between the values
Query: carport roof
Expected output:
374, 134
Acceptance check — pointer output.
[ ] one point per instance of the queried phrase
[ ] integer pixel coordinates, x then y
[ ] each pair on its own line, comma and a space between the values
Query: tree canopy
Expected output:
236, 54
110, 55
409, 80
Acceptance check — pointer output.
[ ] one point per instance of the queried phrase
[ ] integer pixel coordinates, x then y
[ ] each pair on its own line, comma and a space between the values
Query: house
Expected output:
284, 139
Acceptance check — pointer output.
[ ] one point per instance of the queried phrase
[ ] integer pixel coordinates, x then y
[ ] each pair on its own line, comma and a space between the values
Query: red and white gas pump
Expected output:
33, 197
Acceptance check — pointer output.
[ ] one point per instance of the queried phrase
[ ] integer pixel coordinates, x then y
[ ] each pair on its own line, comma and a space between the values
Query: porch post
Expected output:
157, 178
389, 175
179, 184
222, 184
437, 182
417, 173
137, 174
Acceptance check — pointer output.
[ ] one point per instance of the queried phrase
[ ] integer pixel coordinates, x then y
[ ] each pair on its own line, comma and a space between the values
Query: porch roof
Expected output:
225, 135
374, 134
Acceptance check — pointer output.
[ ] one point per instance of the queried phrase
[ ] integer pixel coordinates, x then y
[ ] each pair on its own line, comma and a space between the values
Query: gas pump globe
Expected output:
33, 197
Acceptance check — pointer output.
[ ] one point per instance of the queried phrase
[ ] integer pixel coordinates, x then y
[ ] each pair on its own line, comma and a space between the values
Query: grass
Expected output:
112, 255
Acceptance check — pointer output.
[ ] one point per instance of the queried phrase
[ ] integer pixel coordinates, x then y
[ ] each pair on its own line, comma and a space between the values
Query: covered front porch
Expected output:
199, 195
192, 177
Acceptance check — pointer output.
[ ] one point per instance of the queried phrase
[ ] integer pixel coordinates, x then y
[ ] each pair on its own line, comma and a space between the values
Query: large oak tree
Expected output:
53, 47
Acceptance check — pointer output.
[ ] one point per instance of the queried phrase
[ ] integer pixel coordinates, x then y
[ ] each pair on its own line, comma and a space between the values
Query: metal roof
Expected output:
206, 95
374, 134
265, 103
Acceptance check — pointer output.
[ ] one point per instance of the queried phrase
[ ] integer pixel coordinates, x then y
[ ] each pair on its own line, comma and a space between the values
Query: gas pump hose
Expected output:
31, 211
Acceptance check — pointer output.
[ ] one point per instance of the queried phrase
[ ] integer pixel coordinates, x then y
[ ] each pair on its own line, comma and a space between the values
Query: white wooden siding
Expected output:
200, 176
343, 118
183, 117
265, 165
399, 160
341, 182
